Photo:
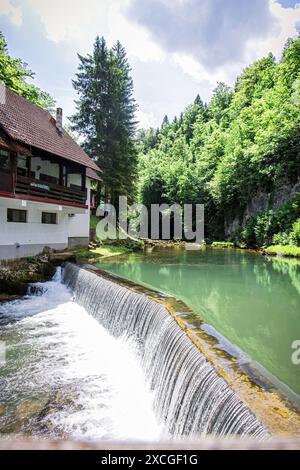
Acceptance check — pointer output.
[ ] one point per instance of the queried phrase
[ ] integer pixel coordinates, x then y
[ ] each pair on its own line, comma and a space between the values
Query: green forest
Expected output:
245, 142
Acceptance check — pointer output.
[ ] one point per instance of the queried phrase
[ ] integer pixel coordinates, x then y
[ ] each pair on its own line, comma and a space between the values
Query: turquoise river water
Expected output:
252, 301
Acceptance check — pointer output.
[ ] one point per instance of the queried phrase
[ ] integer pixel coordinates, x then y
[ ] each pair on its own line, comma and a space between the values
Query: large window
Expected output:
4, 160
49, 218
16, 215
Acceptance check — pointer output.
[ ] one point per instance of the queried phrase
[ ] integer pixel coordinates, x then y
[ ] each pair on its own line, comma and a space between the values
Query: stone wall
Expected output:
262, 202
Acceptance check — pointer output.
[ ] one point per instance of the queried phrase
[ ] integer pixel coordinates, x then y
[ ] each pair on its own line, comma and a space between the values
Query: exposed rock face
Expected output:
15, 276
58, 258
261, 202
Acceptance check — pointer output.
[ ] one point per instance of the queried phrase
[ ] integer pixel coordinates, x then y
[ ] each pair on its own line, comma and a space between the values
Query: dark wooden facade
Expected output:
22, 183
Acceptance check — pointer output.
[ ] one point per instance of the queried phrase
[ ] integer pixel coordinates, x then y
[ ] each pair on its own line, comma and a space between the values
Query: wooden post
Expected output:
83, 179
13, 163
28, 166
61, 174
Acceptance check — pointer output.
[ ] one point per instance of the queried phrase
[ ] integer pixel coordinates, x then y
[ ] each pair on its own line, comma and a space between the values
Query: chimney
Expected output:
59, 120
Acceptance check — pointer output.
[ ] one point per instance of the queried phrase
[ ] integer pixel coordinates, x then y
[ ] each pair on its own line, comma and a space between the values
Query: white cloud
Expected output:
287, 19
146, 119
214, 32
134, 37
200, 74
72, 20
14, 12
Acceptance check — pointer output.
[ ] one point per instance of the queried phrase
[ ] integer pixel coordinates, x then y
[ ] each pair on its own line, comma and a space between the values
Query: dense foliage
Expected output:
221, 154
14, 74
277, 226
105, 116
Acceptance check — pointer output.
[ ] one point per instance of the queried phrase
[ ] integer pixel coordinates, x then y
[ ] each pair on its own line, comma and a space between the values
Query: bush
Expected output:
281, 227
281, 238
283, 250
295, 233
223, 244
259, 229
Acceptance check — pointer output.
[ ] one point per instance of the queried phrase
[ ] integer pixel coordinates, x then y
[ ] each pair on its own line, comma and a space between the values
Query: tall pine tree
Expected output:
105, 117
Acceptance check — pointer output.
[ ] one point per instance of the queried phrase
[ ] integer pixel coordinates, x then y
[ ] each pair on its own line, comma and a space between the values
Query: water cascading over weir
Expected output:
190, 397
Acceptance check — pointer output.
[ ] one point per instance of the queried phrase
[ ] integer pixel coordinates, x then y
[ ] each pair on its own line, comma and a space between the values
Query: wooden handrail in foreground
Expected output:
208, 443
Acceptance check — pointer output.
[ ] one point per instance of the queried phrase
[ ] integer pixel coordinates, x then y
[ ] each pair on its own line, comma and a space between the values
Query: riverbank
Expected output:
290, 251
95, 254
16, 275
119, 247
97, 251
287, 251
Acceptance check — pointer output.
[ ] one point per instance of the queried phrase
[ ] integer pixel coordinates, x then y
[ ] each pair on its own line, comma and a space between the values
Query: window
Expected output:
16, 215
49, 218
4, 160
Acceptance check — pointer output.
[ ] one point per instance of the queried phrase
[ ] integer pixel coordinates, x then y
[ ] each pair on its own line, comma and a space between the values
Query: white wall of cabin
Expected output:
26, 239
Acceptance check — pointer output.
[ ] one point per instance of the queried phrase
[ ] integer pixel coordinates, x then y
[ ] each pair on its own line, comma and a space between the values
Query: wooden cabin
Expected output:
45, 181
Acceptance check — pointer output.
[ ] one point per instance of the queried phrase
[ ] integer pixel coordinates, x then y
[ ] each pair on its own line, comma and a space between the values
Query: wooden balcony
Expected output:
40, 190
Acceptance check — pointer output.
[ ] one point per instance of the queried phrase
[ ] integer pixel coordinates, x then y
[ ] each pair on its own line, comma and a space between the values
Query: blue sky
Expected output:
177, 48
288, 3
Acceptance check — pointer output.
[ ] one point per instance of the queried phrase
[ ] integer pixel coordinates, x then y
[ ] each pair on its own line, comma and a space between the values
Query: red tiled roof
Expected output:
8, 144
32, 125
92, 175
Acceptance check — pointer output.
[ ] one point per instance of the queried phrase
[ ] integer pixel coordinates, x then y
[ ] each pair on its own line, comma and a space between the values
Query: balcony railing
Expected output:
45, 190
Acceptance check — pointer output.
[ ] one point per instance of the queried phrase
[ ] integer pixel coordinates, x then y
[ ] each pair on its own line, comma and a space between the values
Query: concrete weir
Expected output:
198, 388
